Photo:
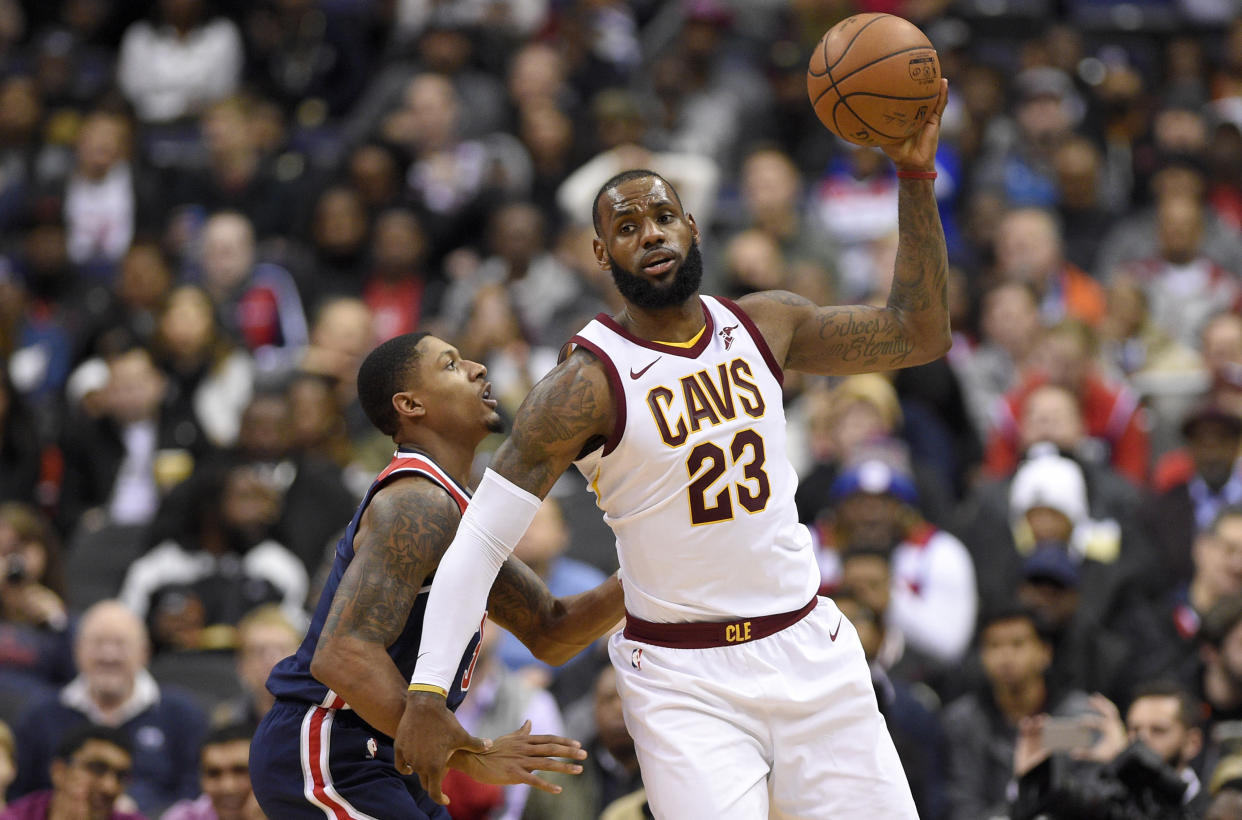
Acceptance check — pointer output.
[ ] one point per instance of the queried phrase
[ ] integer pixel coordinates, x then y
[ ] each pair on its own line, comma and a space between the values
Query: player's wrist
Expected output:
427, 691
916, 173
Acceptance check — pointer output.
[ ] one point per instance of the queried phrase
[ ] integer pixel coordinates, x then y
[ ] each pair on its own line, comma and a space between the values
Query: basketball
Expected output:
873, 79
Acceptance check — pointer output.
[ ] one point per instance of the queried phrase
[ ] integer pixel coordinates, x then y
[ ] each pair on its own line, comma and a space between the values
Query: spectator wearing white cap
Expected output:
1081, 491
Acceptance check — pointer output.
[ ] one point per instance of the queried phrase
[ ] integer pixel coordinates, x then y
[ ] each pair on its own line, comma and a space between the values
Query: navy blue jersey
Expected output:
291, 678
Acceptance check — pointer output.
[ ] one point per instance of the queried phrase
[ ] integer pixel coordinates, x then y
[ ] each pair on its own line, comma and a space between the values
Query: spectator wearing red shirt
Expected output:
1065, 356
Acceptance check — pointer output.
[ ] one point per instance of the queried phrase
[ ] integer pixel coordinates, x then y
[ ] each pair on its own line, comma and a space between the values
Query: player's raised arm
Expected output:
568, 409
554, 629
913, 328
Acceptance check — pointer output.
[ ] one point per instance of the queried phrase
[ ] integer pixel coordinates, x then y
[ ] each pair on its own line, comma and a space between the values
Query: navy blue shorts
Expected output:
310, 763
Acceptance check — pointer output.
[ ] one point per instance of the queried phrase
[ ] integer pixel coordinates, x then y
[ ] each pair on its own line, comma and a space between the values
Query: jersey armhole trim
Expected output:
403, 470
614, 383
760, 342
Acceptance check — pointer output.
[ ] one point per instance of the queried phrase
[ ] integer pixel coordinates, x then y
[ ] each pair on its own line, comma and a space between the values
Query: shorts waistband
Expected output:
706, 635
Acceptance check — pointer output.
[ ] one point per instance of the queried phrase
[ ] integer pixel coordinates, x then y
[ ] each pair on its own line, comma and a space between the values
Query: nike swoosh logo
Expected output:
639, 374
832, 636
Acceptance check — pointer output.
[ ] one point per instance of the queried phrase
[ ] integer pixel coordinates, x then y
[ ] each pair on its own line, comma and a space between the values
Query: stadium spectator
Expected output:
211, 377
1029, 250
224, 775
89, 773
162, 726
1145, 762
259, 303
933, 588
982, 726
1183, 285
265, 636
139, 448
172, 66
226, 564
1065, 356
1174, 515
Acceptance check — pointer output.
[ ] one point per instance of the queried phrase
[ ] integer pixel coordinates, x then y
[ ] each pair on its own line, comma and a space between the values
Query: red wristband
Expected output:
916, 174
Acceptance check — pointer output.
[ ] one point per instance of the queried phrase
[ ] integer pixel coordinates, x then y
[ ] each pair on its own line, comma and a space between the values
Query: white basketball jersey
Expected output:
694, 479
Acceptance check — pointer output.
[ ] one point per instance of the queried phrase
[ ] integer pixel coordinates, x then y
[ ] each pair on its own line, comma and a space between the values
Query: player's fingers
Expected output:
551, 764
944, 96
553, 747
470, 743
532, 779
432, 784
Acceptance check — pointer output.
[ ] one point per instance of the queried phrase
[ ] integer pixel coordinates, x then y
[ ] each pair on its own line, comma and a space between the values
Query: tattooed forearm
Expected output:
554, 629
520, 601
862, 337
405, 533
920, 277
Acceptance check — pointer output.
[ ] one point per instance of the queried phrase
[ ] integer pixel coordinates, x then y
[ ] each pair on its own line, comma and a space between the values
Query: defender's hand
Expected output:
515, 757
918, 151
426, 737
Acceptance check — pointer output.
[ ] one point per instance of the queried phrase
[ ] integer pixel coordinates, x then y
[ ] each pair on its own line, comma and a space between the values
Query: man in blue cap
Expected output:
934, 599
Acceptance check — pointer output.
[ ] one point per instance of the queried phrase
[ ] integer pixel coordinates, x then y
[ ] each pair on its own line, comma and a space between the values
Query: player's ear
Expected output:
601, 253
408, 405
694, 226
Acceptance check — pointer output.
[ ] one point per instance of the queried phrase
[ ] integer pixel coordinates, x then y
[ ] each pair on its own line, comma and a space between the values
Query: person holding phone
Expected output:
1096, 765
982, 725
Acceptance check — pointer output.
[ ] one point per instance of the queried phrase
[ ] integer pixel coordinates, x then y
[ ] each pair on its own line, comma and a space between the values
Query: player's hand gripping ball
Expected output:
873, 79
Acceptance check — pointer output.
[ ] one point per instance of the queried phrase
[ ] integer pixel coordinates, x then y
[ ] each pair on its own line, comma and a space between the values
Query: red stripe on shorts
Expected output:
318, 767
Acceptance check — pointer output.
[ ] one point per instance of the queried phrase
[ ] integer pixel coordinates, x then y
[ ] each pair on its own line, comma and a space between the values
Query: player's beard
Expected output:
642, 292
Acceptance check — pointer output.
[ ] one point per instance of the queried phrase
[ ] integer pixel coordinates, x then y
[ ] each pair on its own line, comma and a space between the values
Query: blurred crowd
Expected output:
211, 210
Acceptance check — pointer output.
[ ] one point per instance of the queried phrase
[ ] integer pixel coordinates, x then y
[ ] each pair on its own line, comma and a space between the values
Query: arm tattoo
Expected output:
921, 271
864, 336
407, 531
520, 601
567, 407
911, 329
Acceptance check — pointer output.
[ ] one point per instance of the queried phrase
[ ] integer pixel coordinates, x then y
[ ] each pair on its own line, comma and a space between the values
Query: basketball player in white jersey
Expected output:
747, 696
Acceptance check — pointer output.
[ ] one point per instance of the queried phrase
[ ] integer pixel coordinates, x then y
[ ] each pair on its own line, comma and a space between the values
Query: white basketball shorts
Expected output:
784, 726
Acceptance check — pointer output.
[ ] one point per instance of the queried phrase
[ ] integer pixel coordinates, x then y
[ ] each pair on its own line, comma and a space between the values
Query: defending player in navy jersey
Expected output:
748, 697
325, 748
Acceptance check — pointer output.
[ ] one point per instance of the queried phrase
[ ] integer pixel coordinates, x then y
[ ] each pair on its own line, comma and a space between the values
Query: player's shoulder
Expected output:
765, 302
409, 491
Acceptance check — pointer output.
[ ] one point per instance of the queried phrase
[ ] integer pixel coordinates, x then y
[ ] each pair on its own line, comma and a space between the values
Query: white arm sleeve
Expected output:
498, 515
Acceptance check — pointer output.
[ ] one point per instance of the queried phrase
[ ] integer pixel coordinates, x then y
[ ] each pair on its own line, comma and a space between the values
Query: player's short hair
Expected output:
383, 374
77, 737
617, 179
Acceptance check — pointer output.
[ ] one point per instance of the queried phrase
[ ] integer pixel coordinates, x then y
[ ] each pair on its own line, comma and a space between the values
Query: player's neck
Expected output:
452, 457
671, 325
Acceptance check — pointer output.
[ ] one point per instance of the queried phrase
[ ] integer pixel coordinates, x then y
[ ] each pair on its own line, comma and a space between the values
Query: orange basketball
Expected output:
873, 79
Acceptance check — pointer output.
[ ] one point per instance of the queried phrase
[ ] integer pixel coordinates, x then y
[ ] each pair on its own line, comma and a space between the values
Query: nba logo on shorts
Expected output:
636, 658
372, 748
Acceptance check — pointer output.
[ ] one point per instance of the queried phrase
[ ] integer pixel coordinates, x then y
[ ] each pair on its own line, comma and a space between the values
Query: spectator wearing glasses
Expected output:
89, 772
